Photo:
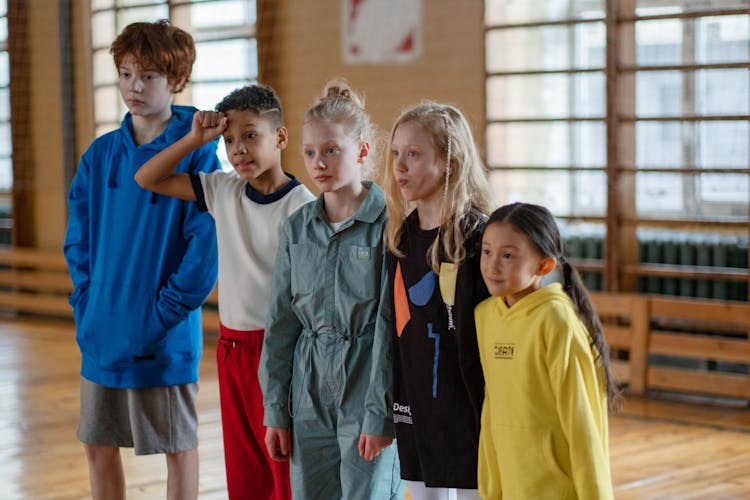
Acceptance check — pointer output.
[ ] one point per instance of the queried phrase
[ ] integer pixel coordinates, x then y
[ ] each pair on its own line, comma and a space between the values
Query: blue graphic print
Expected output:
422, 290
436, 337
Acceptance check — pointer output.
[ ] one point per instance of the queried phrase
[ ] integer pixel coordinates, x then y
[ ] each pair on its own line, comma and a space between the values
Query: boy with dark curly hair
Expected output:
249, 206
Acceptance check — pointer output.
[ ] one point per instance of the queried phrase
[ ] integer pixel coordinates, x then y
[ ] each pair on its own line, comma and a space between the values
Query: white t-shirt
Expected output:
337, 225
248, 226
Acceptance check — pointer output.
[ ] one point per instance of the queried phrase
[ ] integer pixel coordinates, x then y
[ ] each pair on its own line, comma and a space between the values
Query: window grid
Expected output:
6, 160
233, 32
621, 216
6, 155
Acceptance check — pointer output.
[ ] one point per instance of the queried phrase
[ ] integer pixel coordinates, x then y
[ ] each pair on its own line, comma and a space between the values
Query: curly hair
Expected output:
258, 98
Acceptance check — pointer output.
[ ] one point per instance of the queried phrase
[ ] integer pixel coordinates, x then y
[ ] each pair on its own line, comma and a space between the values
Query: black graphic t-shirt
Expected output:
438, 383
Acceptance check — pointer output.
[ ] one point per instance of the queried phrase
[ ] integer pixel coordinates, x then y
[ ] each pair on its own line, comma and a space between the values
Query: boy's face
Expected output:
146, 92
253, 144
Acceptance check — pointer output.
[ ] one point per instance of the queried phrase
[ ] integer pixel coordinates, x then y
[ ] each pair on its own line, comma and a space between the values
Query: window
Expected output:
6, 161
630, 121
226, 50
546, 104
689, 113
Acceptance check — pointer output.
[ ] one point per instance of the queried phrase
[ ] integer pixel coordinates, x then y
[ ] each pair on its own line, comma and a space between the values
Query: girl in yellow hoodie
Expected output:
546, 368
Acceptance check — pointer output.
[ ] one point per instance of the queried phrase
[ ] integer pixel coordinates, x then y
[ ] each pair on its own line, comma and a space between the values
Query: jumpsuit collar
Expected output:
369, 211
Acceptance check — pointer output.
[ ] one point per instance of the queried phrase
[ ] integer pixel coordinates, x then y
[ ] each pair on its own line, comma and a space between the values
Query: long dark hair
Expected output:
539, 226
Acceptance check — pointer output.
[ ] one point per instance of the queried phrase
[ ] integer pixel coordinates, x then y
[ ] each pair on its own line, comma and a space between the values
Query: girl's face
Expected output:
333, 159
418, 168
146, 92
510, 265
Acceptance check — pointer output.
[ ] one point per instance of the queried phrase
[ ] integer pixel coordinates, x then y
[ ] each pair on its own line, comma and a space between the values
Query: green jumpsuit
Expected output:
325, 369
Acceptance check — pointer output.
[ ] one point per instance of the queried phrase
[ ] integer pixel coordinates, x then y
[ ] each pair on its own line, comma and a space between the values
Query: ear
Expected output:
364, 150
282, 137
179, 85
546, 266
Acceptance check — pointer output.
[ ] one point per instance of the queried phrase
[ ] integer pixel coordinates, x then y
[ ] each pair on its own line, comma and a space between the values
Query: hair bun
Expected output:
338, 90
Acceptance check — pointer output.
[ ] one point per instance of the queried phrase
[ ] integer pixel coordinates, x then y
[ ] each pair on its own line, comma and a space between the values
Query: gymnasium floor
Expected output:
659, 449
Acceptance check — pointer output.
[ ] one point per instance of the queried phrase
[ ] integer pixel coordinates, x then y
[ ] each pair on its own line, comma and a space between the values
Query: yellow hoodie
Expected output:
544, 419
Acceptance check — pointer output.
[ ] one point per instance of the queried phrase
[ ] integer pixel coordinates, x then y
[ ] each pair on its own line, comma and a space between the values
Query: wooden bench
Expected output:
211, 312
708, 331
699, 334
625, 321
641, 329
34, 281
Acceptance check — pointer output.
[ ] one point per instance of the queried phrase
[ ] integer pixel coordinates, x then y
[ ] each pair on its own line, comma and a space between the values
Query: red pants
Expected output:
251, 474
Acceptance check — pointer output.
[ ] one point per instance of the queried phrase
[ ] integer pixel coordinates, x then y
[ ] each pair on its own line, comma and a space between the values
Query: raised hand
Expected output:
158, 174
207, 126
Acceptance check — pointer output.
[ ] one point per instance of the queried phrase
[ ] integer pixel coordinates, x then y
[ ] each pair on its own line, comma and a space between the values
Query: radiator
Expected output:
589, 245
689, 249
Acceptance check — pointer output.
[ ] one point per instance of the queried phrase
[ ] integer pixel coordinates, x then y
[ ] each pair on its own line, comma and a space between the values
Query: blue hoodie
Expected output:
141, 264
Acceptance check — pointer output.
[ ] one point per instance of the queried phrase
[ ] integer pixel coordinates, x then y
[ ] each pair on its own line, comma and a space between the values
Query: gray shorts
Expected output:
151, 420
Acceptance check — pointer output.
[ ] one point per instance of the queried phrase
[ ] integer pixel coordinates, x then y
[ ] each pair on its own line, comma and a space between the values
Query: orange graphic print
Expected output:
400, 301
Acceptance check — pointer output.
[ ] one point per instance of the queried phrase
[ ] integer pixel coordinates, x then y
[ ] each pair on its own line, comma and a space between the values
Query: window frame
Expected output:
4, 48
177, 12
620, 264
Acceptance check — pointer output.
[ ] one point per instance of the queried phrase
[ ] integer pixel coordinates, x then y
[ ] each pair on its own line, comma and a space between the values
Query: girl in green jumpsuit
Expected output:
325, 369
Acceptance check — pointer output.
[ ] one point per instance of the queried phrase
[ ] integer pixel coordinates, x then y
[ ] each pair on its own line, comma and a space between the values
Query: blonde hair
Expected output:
341, 104
466, 190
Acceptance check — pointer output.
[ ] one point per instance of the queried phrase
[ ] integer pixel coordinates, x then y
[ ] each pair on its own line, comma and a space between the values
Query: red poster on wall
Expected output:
381, 31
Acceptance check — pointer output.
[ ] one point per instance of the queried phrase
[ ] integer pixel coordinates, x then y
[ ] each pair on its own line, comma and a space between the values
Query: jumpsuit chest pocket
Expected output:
359, 272
307, 267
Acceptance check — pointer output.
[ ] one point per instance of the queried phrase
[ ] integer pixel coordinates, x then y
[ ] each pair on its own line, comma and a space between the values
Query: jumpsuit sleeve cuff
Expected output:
375, 425
276, 418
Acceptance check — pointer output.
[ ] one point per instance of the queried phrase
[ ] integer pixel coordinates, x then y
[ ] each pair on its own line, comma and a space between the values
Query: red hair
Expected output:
157, 46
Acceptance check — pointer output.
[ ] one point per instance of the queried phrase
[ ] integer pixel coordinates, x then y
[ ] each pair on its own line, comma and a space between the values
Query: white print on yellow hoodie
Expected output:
544, 419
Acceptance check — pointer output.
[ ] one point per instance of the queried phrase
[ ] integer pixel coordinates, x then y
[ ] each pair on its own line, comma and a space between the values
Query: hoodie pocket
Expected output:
79, 300
533, 472
121, 325
78, 295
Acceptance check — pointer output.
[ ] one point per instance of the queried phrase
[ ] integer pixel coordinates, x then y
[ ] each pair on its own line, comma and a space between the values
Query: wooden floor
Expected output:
659, 449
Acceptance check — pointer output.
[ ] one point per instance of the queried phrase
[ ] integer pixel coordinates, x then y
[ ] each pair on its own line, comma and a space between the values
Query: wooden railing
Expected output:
703, 336
711, 333
625, 320
34, 281
37, 282
211, 312
677, 344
